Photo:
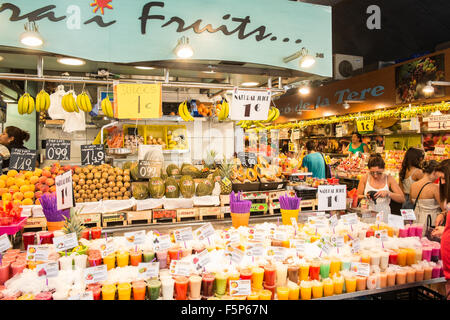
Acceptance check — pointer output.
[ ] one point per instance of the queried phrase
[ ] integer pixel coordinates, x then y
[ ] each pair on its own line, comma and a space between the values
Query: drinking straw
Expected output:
153, 259
349, 236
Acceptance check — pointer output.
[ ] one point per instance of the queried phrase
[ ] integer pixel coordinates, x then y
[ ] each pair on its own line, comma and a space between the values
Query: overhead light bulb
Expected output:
1, 58
31, 37
71, 61
183, 50
304, 90
346, 105
428, 88
249, 84
307, 61
144, 68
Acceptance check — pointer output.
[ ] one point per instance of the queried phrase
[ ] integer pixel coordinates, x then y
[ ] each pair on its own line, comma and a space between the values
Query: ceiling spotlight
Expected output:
249, 84
31, 37
304, 90
183, 50
306, 60
1, 58
346, 105
428, 88
71, 61
144, 68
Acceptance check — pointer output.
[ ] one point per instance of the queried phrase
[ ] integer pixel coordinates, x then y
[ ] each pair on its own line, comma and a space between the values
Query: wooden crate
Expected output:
160, 215
91, 219
139, 217
191, 213
36, 223
115, 218
226, 212
224, 200
312, 203
210, 211
259, 208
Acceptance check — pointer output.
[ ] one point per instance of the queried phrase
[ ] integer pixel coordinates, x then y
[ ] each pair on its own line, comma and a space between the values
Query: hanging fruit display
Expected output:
273, 115
183, 112
42, 101
25, 104
69, 104
222, 110
107, 107
83, 102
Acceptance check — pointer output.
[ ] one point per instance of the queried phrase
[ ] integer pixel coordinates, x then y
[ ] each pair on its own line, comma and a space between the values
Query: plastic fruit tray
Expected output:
13, 228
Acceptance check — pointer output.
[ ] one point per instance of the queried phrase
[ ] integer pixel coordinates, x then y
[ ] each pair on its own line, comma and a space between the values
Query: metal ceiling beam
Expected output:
12, 86
8, 96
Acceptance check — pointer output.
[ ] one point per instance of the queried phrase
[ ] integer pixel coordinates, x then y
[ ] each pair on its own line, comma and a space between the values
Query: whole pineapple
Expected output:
225, 172
73, 224
209, 164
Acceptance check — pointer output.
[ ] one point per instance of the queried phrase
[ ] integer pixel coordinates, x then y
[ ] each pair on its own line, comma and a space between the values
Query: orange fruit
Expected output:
20, 182
12, 173
37, 172
17, 202
29, 195
37, 202
3, 190
28, 174
3, 177
31, 187
10, 182
24, 188
6, 196
2, 183
18, 196
27, 202
13, 189
34, 179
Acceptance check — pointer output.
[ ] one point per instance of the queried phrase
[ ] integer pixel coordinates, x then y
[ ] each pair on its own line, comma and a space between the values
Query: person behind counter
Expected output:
12, 137
411, 171
426, 193
356, 145
378, 187
314, 161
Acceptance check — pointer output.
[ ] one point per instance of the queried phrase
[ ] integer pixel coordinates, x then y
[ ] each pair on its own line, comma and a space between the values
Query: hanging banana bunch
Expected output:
273, 115
107, 108
25, 104
183, 112
83, 102
223, 110
42, 101
68, 103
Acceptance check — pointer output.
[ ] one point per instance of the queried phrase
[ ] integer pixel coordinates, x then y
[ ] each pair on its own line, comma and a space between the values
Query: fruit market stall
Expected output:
332, 258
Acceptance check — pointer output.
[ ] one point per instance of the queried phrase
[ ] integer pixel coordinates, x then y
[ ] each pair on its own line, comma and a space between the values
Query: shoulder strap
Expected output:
417, 199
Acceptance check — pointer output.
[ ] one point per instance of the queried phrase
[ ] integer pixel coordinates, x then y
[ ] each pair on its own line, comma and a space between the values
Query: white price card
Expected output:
64, 190
356, 246
332, 197
278, 253
256, 235
87, 295
37, 253
240, 287
338, 241
95, 274
250, 105
107, 248
237, 256
135, 238
318, 222
180, 268
439, 149
201, 260
326, 247
232, 238
205, 231
65, 242
382, 235
360, 269
299, 245
396, 221
280, 236
333, 221
379, 217
49, 270
350, 219
408, 214
162, 242
5, 244
255, 249
184, 234
147, 270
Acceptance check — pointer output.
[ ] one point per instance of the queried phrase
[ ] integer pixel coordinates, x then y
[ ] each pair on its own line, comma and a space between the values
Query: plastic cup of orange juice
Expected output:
305, 290
328, 287
283, 293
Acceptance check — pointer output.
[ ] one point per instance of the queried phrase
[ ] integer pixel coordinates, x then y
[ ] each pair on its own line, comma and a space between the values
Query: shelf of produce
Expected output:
383, 290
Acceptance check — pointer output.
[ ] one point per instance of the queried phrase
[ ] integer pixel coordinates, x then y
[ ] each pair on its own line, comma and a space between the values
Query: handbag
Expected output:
429, 230
327, 167
408, 204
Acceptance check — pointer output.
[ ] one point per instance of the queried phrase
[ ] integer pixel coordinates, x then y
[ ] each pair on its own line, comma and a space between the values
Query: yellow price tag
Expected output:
365, 125
291, 147
138, 101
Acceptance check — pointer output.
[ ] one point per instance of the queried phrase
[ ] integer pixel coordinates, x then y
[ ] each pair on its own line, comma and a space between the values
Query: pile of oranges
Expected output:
19, 187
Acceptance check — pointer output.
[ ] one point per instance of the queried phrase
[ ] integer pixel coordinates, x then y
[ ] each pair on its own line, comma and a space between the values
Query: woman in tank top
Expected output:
382, 186
429, 202
411, 171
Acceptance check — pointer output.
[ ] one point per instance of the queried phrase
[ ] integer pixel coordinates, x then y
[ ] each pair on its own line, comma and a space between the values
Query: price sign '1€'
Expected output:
365, 125
64, 190
92, 154
57, 149
250, 105
22, 159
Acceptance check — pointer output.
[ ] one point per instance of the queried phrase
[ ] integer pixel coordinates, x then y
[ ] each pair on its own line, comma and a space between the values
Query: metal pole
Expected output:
269, 82
166, 75
280, 85
40, 66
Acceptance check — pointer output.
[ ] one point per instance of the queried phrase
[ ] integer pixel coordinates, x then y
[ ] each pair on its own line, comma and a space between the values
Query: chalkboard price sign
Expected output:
56, 149
92, 154
248, 159
146, 170
22, 159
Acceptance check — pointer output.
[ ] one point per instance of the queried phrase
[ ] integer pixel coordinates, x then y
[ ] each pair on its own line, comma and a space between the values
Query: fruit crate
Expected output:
210, 212
114, 219
139, 217
177, 130
245, 187
36, 223
164, 215
156, 131
264, 186
140, 131
91, 219
190, 214
259, 208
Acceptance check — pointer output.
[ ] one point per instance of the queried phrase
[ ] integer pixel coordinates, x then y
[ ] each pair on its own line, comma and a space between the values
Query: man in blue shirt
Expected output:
313, 161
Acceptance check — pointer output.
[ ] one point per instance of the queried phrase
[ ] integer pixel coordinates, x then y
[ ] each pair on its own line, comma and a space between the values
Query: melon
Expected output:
171, 188
156, 187
204, 188
190, 170
187, 186
172, 170
140, 192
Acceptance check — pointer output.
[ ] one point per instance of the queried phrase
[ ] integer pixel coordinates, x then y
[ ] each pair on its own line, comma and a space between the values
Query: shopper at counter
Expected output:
314, 161
13, 137
356, 145
378, 187
425, 194
411, 171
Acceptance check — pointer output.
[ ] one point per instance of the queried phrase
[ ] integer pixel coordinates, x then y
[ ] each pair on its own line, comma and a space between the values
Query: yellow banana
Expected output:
20, 105
69, 104
80, 102
63, 103
30, 104
25, 103
277, 114
87, 102
107, 107
180, 111
227, 112
38, 102
186, 112
47, 100
74, 104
